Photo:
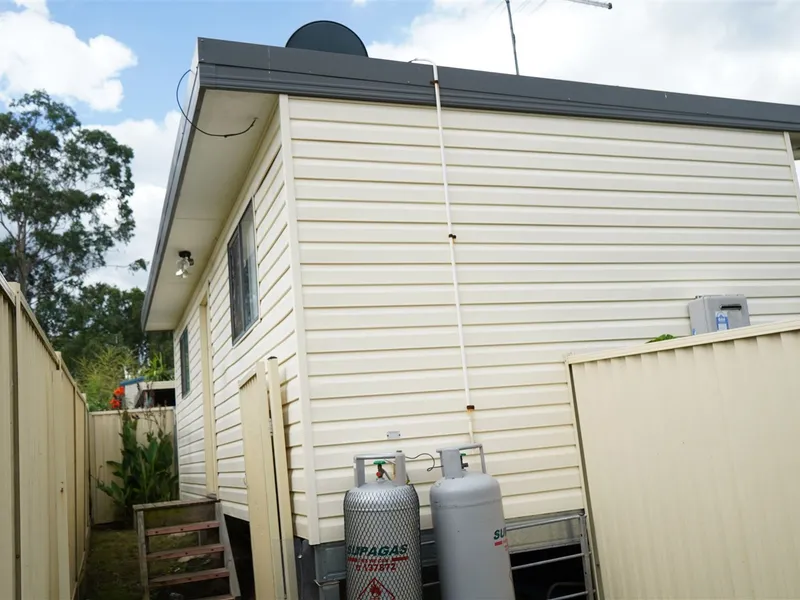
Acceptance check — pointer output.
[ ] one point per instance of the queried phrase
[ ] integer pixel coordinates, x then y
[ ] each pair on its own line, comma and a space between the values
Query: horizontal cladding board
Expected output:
421, 233
494, 335
545, 254
353, 363
232, 480
380, 114
485, 158
441, 380
233, 495
385, 406
226, 450
409, 192
234, 464
366, 285
432, 425
489, 314
492, 214
536, 178
304, 131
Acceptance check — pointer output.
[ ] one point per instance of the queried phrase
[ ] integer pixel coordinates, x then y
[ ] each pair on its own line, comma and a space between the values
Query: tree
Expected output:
84, 322
64, 193
99, 374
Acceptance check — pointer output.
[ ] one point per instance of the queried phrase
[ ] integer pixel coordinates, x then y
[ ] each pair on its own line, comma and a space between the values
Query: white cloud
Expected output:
39, 6
38, 53
734, 49
152, 144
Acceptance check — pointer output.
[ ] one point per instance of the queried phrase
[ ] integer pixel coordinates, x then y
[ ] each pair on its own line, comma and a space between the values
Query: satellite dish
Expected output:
327, 36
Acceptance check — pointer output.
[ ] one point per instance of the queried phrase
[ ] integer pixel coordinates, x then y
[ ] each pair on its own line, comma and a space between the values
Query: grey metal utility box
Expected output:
718, 313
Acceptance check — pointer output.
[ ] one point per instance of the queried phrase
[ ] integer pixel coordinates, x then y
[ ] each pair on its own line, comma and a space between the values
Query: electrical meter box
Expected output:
718, 313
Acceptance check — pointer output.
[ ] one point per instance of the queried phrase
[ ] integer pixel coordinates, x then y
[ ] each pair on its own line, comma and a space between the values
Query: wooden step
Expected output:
175, 504
183, 528
180, 578
189, 551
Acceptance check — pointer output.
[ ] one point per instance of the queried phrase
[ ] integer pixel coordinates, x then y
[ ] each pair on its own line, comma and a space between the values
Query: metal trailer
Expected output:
322, 568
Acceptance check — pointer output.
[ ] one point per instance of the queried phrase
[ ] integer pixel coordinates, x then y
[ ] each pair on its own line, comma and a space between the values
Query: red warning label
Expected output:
375, 590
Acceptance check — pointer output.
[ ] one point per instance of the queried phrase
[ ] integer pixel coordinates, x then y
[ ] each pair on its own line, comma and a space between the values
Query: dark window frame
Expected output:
183, 349
243, 275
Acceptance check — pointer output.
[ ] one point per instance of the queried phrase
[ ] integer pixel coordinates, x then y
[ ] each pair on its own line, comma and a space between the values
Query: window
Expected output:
242, 275
186, 382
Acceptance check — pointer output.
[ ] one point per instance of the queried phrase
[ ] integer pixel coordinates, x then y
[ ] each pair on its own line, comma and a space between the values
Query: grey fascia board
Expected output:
176, 172
256, 68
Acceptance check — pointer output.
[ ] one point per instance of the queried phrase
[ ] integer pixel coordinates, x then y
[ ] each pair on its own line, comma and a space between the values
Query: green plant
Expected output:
662, 338
157, 369
100, 374
145, 471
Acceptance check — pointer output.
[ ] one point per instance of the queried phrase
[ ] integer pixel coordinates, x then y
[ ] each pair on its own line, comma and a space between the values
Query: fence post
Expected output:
10, 468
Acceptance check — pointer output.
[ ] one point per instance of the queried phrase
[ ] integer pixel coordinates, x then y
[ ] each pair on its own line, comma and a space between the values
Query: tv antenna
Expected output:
595, 3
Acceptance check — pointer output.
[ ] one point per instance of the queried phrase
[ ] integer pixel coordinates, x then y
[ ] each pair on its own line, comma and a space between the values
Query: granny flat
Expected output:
421, 269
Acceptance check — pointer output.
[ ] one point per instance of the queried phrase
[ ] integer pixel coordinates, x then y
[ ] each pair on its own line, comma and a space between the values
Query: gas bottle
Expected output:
382, 533
470, 531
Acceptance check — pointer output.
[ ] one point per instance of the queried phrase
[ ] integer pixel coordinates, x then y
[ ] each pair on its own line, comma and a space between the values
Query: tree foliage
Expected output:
100, 373
64, 193
83, 323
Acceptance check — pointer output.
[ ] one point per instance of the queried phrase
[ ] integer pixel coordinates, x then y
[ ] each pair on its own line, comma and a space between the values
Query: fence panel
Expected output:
42, 538
690, 465
106, 445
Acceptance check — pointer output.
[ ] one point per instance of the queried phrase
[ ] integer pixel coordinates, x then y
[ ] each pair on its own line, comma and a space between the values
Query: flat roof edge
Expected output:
238, 66
177, 166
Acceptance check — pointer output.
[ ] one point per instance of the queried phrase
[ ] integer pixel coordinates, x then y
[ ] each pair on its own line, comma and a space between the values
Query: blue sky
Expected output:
118, 61
162, 33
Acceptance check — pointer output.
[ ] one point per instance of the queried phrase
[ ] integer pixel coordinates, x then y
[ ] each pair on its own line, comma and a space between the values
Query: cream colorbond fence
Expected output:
690, 460
44, 447
106, 445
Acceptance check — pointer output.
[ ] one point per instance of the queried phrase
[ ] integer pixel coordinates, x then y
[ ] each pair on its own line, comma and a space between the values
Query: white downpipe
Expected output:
452, 238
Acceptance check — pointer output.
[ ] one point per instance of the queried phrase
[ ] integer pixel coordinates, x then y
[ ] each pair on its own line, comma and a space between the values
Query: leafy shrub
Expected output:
145, 471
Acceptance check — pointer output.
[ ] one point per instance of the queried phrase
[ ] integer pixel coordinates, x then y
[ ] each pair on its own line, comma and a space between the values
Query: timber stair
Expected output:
184, 549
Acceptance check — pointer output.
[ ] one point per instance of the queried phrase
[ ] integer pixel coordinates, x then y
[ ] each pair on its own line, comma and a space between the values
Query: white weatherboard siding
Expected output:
189, 413
573, 234
273, 334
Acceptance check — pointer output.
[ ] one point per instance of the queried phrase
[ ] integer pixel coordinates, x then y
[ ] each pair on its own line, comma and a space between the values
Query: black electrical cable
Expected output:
433, 459
195, 127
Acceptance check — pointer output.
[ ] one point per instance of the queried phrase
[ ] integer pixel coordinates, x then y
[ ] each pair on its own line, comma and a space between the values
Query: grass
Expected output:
112, 572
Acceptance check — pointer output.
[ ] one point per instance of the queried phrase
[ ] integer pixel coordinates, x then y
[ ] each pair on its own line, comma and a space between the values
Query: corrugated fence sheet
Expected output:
44, 502
690, 460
